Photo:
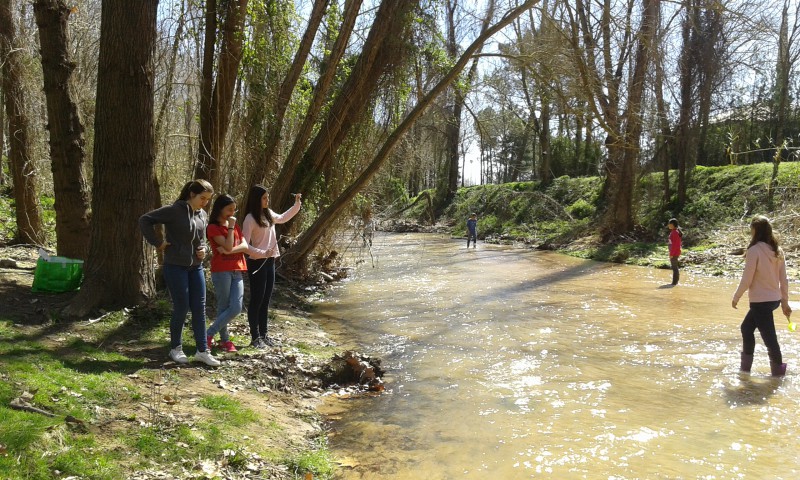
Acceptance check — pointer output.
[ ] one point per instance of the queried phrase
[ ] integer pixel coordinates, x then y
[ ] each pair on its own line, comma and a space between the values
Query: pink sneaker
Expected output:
228, 346
209, 342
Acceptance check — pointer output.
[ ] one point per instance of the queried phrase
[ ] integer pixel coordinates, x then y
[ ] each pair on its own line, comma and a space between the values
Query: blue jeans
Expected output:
187, 287
760, 318
229, 288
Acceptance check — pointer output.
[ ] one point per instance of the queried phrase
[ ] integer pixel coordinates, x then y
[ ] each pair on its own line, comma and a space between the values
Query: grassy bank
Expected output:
98, 399
564, 215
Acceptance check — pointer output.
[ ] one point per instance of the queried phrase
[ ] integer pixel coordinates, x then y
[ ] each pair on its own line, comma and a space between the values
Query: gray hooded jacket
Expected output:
184, 230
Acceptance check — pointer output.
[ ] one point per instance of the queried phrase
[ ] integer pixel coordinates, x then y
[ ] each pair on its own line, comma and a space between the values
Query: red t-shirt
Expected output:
219, 261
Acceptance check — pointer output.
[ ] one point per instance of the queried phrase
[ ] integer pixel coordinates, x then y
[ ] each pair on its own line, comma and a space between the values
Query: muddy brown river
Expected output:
505, 363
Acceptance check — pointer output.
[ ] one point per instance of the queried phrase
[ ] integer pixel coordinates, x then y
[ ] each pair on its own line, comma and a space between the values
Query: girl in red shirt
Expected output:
227, 265
675, 238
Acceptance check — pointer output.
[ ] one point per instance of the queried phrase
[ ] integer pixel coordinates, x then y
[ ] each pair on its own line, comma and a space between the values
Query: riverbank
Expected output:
564, 216
99, 398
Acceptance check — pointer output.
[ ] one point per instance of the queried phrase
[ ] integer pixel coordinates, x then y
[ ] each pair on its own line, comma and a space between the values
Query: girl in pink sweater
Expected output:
765, 281
258, 230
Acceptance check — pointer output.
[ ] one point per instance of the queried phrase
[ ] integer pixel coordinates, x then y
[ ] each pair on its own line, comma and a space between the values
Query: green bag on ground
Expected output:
57, 274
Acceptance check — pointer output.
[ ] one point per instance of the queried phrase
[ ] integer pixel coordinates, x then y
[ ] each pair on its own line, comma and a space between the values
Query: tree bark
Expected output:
66, 131
23, 171
120, 268
222, 97
621, 171
290, 81
3, 180
287, 177
205, 162
687, 68
382, 50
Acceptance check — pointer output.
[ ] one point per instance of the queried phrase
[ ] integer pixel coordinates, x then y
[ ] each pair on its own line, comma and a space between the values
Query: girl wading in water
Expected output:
764, 280
258, 230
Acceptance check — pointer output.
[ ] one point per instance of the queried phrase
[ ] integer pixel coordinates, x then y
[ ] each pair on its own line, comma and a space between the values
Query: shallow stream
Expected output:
505, 363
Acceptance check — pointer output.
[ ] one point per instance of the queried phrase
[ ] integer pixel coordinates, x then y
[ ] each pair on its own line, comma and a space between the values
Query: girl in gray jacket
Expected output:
184, 248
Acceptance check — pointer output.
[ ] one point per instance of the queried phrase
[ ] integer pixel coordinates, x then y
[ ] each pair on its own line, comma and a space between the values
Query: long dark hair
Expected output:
762, 232
674, 223
262, 216
195, 186
221, 202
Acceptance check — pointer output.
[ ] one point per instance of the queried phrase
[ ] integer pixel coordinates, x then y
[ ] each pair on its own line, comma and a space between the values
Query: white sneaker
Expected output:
177, 355
206, 358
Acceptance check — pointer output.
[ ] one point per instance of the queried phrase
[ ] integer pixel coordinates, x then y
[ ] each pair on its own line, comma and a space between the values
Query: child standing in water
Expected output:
227, 267
472, 230
765, 281
184, 248
675, 238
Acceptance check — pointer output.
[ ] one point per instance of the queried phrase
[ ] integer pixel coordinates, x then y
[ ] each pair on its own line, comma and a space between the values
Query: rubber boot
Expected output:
747, 363
675, 277
778, 369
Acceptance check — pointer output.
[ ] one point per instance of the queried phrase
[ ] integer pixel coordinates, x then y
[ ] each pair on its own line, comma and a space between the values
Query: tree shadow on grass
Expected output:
41, 326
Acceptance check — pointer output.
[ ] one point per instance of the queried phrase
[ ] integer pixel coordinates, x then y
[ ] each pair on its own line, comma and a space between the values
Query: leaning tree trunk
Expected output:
23, 173
288, 174
289, 83
120, 269
380, 54
66, 131
295, 258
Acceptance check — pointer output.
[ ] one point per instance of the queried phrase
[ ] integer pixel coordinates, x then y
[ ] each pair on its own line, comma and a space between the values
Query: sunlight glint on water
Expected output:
505, 363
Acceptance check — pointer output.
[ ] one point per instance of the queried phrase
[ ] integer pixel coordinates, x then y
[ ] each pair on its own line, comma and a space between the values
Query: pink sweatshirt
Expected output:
262, 240
764, 276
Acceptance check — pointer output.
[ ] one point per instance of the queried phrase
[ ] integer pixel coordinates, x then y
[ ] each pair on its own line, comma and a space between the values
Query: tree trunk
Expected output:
23, 171
66, 131
290, 81
382, 50
204, 163
288, 175
664, 138
167, 99
222, 97
3, 180
448, 186
621, 171
120, 268
544, 141
683, 130
780, 100
295, 258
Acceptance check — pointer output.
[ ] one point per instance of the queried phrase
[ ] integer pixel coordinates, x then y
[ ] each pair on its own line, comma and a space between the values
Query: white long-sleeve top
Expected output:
764, 277
262, 241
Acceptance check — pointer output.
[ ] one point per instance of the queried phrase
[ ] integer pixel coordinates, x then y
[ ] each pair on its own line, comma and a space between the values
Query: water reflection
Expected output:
507, 364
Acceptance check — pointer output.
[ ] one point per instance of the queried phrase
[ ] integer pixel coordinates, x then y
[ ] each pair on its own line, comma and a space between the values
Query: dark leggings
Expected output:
676, 273
261, 273
760, 317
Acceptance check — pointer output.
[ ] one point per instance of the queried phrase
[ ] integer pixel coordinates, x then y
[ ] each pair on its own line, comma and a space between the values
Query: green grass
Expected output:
316, 350
58, 382
229, 410
317, 461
